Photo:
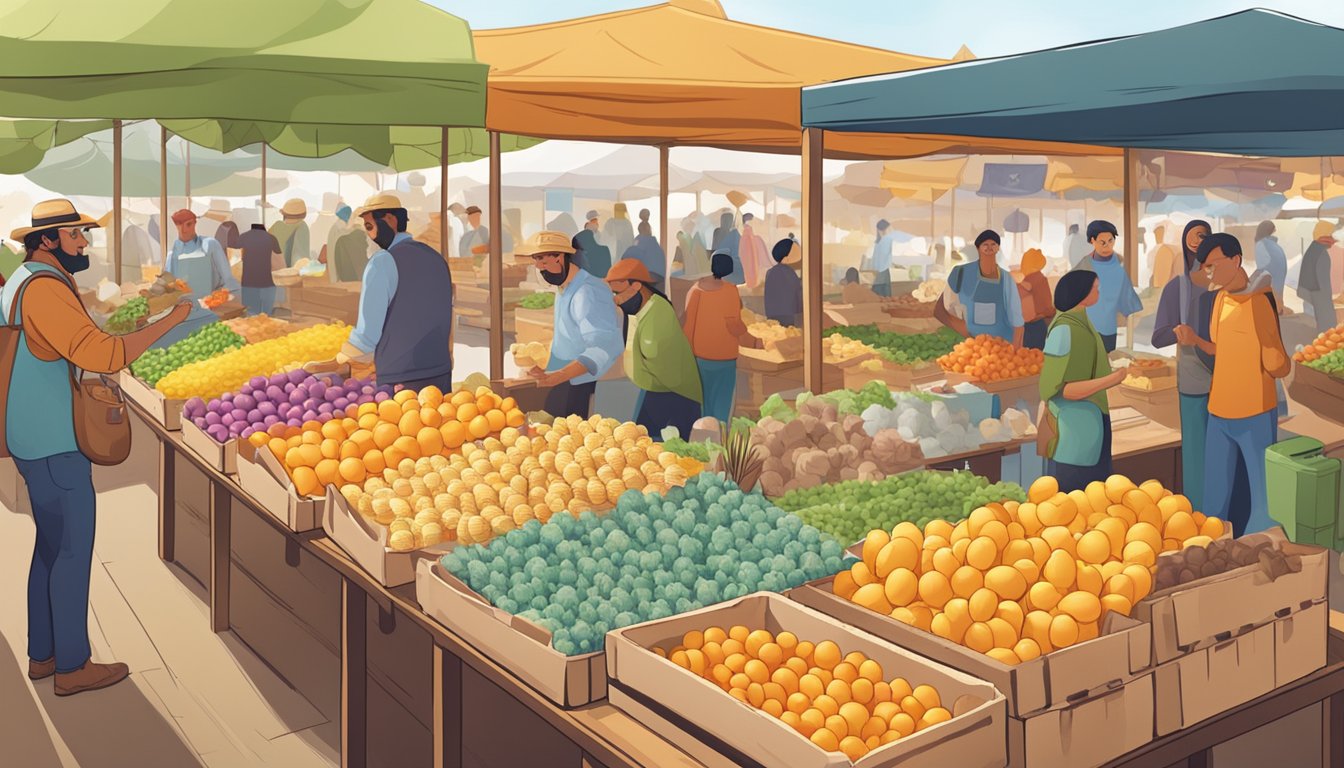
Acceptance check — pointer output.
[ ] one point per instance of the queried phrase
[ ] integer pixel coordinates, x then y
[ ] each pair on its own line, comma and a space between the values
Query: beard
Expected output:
71, 262
385, 234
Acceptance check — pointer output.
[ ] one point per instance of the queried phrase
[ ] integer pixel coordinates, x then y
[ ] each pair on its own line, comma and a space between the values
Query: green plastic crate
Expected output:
1303, 489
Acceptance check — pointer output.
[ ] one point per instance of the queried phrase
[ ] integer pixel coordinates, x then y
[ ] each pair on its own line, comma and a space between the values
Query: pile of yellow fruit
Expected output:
1015, 581
837, 349
772, 330
258, 328
229, 371
489, 489
374, 437
841, 703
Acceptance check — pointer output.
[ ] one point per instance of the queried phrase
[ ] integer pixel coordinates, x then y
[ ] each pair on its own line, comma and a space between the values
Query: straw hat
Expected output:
544, 242
629, 269
381, 201
294, 207
219, 210
1322, 229
53, 214
738, 199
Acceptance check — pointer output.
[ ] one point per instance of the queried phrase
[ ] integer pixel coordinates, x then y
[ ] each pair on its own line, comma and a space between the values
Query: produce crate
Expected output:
973, 738
895, 376
221, 456
166, 411
524, 390
764, 361
513, 642
260, 474
367, 544
1161, 405
1088, 731
1317, 391
1121, 653
789, 348
1200, 613
1238, 669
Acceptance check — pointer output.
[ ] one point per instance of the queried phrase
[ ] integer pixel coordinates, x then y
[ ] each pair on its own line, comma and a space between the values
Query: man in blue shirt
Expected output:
201, 263
1118, 297
588, 338
406, 305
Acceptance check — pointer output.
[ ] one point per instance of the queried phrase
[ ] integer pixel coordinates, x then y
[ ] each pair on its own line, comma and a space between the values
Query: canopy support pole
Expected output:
664, 158
263, 184
163, 196
186, 152
115, 240
952, 238
813, 147
443, 193
496, 263
1131, 252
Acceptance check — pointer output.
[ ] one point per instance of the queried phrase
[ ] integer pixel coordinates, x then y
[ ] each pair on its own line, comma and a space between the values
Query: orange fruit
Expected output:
352, 470
305, 481
389, 411
467, 412
392, 455
350, 450
515, 418
410, 423
385, 434
430, 396
430, 417
331, 449
404, 395
454, 434
374, 463
430, 441
328, 472
409, 446
479, 427
496, 419
487, 402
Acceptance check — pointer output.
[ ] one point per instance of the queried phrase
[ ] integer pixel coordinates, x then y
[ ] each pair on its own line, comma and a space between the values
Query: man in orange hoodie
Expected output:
1244, 335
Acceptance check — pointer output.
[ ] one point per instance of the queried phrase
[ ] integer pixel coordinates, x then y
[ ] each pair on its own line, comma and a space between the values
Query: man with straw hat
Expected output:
1313, 282
587, 327
292, 231
406, 305
57, 337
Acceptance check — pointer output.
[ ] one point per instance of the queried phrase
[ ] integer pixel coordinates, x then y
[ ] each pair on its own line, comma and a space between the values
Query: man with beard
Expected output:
57, 336
406, 305
587, 327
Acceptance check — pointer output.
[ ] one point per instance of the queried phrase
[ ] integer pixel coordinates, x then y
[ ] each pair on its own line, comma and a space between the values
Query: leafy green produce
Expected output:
651, 557
848, 401
203, 344
1331, 364
538, 300
123, 320
903, 348
849, 510
699, 451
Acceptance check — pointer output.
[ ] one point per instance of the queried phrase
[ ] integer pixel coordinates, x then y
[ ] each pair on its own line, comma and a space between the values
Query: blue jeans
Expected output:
60, 488
718, 379
1194, 431
1229, 440
259, 301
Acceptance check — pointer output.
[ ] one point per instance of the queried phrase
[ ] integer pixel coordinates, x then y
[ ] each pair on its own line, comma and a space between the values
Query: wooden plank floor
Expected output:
194, 697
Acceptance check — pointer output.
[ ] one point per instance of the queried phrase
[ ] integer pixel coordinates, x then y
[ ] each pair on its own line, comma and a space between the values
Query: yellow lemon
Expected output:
898, 553
1094, 547
901, 587
1007, 581
1060, 570
1084, 607
1063, 631
872, 545
1044, 488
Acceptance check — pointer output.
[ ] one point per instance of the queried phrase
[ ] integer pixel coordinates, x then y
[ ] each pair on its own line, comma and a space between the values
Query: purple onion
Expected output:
275, 394
270, 420
380, 396
248, 432
253, 416
279, 380
290, 387
238, 414
212, 418
324, 409
297, 375
219, 433
226, 419
247, 402
310, 415
195, 405
316, 388
367, 389
341, 403
257, 382
294, 422
266, 408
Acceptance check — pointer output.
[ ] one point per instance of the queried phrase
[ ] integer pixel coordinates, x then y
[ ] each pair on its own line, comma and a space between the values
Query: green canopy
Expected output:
323, 62
23, 143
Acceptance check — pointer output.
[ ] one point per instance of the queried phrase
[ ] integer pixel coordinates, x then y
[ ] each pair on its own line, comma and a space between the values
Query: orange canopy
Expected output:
683, 73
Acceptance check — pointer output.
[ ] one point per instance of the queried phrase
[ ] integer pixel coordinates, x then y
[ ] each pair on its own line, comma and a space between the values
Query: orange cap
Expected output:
629, 269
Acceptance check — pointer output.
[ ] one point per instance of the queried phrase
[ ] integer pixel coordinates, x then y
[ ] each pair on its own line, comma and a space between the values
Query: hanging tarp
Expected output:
1281, 93
922, 180
23, 143
1012, 179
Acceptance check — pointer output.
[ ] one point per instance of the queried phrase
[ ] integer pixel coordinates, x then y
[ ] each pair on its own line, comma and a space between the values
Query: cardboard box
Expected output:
260, 474
366, 543
221, 456
1121, 652
163, 410
1200, 612
1299, 643
1088, 732
515, 643
1204, 683
896, 377
973, 738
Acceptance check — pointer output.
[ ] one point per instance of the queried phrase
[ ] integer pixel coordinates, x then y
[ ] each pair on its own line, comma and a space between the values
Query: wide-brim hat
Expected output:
220, 210
545, 241
294, 207
54, 214
629, 269
1322, 229
382, 201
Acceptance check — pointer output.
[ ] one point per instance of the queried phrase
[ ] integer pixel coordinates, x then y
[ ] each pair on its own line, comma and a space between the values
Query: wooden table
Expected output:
1148, 451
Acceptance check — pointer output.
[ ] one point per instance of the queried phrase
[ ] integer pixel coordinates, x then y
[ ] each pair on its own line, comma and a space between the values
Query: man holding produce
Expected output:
201, 263
406, 305
57, 336
587, 327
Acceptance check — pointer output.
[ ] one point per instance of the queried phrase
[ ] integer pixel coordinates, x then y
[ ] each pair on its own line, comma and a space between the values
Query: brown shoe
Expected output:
90, 677
40, 670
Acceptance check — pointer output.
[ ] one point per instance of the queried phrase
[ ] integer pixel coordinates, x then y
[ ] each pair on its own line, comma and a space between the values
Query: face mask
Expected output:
556, 278
70, 262
385, 235
631, 305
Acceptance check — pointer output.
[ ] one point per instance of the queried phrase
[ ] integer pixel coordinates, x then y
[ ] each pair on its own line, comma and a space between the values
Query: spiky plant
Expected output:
741, 460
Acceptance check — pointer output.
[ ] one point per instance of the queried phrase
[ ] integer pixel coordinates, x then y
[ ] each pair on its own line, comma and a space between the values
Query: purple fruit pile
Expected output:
286, 399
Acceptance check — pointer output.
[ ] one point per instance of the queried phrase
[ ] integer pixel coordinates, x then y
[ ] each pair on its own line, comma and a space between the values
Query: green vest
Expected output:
1080, 356
659, 357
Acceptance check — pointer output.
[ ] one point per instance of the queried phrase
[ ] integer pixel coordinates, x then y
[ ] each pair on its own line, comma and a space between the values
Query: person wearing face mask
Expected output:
203, 265
658, 356
1244, 338
981, 298
587, 339
406, 304
1118, 297
58, 334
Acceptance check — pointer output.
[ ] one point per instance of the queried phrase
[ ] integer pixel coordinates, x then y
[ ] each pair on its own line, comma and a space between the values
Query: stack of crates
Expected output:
1305, 492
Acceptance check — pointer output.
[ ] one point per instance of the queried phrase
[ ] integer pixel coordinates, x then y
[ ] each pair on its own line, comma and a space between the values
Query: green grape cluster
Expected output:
538, 300
124, 319
698, 451
1331, 364
651, 557
904, 348
203, 344
855, 402
850, 509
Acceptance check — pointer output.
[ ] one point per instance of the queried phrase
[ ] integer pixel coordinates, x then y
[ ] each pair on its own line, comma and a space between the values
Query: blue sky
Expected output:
926, 27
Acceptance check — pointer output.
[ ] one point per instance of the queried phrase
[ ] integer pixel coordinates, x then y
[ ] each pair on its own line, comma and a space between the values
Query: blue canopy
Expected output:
1256, 82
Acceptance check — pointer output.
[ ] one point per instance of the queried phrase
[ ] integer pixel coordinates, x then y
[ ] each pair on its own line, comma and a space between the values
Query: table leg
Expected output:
167, 497
354, 680
447, 709
1332, 731
221, 514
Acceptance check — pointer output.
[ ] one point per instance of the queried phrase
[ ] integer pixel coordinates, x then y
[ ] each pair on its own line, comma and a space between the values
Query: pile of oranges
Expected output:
989, 358
841, 703
1322, 345
375, 436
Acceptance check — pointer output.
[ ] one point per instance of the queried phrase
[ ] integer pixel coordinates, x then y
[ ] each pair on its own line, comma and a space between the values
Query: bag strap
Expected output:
46, 273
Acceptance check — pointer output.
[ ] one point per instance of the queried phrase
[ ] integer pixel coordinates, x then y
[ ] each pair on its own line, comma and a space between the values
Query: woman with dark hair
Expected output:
1074, 381
714, 325
853, 291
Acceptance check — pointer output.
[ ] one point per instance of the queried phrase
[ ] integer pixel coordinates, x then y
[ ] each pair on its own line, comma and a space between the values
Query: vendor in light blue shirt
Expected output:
1118, 297
588, 337
202, 264
982, 298
882, 258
